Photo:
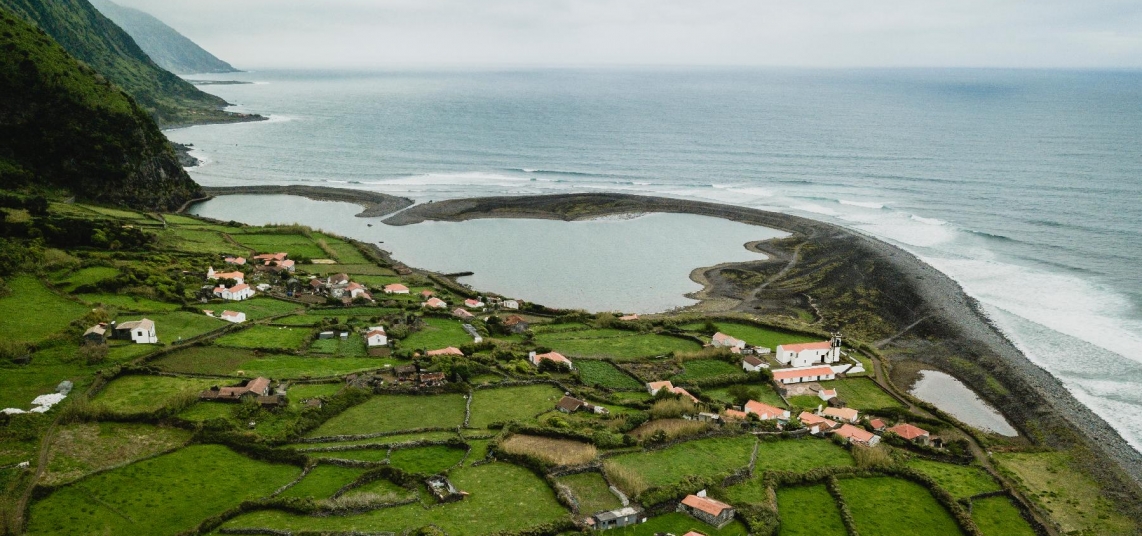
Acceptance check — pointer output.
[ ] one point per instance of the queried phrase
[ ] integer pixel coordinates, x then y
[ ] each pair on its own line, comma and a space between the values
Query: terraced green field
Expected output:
613, 343
602, 373
884, 505
391, 413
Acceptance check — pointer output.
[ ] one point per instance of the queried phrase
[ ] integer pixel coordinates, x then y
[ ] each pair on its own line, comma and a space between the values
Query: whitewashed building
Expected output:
235, 293
236, 317
810, 353
140, 331
721, 340
376, 337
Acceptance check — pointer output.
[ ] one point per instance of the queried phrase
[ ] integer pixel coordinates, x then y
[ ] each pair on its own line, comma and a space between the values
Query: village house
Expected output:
816, 424
316, 286
765, 412
357, 290
810, 353
451, 350
549, 356
827, 394
911, 433
654, 387
753, 364
510, 304
240, 261
337, 280
396, 288
569, 404
140, 331
376, 337
473, 304
516, 324
235, 293
436, 303
730, 414
840, 414
256, 387
628, 318
878, 425
96, 334
860, 436
238, 277
721, 340
693, 533
473, 332
711, 511
425, 294
618, 518
804, 374
267, 258
462, 313
233, 316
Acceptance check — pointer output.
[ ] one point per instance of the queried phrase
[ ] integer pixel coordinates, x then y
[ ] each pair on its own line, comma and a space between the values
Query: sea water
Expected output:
1022, 185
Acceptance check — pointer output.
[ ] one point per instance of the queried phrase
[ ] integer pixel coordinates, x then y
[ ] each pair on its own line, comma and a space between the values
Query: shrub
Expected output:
871, 457
630, 481
672, 408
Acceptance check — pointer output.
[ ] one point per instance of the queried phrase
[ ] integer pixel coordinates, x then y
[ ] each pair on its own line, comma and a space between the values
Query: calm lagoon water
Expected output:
952, 396
639, 264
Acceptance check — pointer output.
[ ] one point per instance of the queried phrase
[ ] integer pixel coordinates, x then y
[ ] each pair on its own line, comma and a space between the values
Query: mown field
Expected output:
511, 404
809, 511
757, 335
997, 516
391, 413
271, 337
884, 505
436, 334
602, 373
323, 481
704, 457
613, 343
858, 393
962, 481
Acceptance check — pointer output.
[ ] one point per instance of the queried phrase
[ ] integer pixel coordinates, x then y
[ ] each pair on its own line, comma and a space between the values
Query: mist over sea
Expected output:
1024, 186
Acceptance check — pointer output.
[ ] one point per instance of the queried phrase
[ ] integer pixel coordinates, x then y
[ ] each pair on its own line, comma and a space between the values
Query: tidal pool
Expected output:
638, 264
952, 396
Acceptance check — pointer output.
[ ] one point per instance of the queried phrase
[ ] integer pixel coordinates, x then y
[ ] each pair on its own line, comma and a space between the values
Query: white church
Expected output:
810, 353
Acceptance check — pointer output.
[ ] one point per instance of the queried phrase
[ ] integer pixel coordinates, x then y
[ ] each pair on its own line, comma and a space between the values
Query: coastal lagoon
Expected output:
952, 396
636, 263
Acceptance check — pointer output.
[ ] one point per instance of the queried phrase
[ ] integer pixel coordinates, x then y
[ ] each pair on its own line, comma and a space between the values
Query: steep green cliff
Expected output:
93, 39
64, 126
170, 50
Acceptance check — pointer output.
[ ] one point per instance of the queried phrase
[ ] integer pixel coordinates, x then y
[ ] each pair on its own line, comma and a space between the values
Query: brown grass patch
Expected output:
79, 449
626, 479
671, 408
553, 451
673, 428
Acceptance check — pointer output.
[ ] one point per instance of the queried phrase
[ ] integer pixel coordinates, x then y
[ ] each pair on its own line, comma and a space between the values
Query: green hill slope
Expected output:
168, 48
62, 125
93, 39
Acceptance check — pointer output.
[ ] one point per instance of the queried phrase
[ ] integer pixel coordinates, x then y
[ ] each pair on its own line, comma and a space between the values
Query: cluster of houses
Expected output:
237, 292
410, 375
140, 331
257, 389
803, 362
341, 287
698, 505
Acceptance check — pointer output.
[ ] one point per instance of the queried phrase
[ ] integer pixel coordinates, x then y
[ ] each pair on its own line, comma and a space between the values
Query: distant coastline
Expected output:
1029, 396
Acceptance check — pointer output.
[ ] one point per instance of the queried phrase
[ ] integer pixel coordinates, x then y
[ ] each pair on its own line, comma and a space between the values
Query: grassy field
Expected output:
204, 411
32, 312
86, 276
801, 455
704, 368
756, 335
364, 455
503, 497
79, 449
323, 481
354, 346
704, 457
960, 480
1073, 499
808, 511
427, 460
139, 394
384, 440
996, 516
437, 333
390, 413
283, 338
604, 374
613, 343
590, 489
125, 302
382, 488
550, 450
351, 269
858, 393
179, 325
196, 240
301, 391
512, 404
164, 495
255, 308
243, 362
884, 505
294, 244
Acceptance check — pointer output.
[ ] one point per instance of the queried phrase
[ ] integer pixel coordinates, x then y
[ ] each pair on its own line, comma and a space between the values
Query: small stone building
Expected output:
711, 511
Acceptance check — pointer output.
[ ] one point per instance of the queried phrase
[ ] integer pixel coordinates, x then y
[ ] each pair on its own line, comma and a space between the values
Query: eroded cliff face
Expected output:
63, 126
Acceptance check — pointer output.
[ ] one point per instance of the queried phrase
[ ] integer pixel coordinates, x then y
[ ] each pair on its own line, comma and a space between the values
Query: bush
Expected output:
672, 408
630, 481
871, 457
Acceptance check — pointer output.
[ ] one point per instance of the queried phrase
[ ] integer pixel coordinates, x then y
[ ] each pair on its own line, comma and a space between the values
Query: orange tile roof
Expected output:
824, 345
761, 409
848, 414
810, 419
654, 386
451, 350
705, 504
782, 374
908, 431
853, 433
683, 392
395, 287
553, 356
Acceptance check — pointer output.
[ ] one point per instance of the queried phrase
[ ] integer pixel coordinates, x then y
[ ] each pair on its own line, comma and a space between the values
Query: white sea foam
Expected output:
928, 221
864, 204
816, 209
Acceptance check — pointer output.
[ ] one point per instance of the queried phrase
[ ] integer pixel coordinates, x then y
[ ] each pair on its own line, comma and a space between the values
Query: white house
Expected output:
810, 353
396, 288
235, 293
510, 304
804, 374
140, 331
357, 290
753, 364
236, 276
473, 304
848, 415
827, 394
721, 340
376, 337
233, 316
436, 303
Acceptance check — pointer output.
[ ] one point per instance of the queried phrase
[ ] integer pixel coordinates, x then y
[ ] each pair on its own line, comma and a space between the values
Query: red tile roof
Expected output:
909, 432
654, 386
811, 419
763, 410
878, 424
824, 345
852, 433
705, 504
685, 393
396, 287
782, 374
552, 356
436, 302
846, 414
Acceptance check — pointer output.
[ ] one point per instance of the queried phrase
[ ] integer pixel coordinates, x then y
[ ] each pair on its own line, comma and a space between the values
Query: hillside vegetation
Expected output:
96, 41
168, 48
65, 126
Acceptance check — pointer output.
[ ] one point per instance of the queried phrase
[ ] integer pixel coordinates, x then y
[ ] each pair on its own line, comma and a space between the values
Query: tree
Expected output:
743, 393
93, 353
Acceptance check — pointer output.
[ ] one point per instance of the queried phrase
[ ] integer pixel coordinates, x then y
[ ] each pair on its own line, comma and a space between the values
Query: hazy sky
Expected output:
255, 34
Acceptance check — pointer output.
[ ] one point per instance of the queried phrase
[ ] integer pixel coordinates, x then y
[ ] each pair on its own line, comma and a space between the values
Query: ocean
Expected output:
1024, 186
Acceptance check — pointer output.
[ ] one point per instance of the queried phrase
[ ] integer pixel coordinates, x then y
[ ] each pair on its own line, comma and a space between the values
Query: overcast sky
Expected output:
254, 34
